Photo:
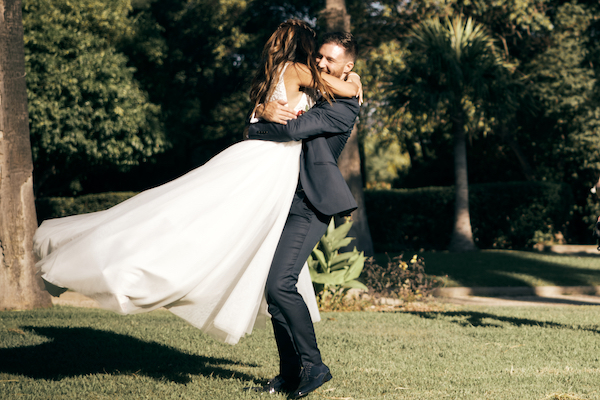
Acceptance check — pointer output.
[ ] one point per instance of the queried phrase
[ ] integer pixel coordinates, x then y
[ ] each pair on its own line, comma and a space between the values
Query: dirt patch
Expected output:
74, 299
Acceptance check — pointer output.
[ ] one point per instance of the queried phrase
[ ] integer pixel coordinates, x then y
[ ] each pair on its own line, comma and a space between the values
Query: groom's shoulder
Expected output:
340, 103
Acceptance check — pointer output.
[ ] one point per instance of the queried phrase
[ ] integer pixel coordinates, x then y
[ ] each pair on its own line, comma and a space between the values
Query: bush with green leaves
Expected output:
55, 207
86, 109
504, 215
331, 270
399, 278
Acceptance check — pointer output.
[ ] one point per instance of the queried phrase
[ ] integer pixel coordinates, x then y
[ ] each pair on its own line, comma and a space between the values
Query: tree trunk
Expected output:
335, 16
462, 235
337, 20
349, 163
20, 288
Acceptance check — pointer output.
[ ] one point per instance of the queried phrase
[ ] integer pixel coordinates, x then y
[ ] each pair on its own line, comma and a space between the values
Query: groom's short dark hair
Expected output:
342, 39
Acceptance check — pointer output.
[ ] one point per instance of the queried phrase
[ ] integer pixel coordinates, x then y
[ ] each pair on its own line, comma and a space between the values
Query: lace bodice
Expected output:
307, 100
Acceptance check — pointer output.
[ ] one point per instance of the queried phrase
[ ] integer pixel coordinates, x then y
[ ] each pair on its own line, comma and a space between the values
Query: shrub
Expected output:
334, 273
503, 215
331, 270
341, 300
54, 207
399, 279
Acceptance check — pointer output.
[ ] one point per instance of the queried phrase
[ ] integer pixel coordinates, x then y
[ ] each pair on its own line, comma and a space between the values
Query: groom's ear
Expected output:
348, 67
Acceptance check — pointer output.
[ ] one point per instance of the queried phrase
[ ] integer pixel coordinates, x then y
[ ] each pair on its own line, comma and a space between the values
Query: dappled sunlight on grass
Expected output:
449, 352
512, 268
526, 279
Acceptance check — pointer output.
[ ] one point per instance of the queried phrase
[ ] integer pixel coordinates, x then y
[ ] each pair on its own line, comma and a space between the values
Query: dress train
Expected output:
200, 245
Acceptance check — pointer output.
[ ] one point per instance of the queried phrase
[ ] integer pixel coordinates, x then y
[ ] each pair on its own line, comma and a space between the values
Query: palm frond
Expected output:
459, 57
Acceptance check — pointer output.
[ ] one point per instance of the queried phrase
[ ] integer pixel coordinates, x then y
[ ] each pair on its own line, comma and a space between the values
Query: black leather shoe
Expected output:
276, 385
311, 377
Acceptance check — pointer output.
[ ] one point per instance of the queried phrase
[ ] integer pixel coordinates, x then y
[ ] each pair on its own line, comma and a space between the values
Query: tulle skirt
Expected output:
200, 245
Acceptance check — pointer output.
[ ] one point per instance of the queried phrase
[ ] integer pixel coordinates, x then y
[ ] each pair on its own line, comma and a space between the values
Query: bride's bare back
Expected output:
297, 77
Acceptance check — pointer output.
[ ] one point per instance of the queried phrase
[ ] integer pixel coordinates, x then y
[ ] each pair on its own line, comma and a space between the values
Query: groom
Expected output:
321, 194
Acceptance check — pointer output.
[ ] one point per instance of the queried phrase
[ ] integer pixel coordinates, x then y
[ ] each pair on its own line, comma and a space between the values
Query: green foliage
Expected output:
201, 73
503, 215
340, 300
112, 85
86, 109
453, 68
399, 279
562, 136
551, 129
54, 207
519, 29
563, 81
416, 90
196, 59
560, 79
459, 58
384, 160
331, 270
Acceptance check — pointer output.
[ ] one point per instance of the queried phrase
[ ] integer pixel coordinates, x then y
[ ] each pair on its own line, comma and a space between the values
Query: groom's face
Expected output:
333, 60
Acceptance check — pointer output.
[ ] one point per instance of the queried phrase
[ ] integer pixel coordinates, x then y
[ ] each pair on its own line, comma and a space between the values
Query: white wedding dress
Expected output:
201, 245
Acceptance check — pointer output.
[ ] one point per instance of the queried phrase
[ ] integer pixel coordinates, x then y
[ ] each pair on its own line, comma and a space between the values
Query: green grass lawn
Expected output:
510, 268
457, 353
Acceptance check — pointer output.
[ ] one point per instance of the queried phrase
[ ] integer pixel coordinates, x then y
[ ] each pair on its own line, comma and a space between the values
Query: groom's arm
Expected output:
335, 118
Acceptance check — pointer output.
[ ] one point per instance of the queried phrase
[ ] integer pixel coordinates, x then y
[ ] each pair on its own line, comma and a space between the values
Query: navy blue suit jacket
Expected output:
325, 129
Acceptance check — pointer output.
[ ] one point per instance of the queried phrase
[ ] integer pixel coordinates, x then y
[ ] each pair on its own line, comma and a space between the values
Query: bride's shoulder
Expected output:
298, 75
296, 70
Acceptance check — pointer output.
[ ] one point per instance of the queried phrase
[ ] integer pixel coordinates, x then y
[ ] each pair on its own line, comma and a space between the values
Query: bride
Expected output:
201, 245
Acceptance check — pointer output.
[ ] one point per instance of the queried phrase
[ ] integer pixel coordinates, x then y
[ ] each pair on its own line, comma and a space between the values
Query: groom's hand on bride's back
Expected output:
275, 111
322, 119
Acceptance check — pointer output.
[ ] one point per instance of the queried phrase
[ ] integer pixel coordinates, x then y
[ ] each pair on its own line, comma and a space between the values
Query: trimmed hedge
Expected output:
54, 207
503, 215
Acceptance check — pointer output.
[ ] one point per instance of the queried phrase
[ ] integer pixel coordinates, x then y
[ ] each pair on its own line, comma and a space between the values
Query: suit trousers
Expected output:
292, 325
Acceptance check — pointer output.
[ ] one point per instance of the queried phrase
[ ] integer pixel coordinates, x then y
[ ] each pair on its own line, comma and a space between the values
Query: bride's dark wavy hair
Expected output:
295, 41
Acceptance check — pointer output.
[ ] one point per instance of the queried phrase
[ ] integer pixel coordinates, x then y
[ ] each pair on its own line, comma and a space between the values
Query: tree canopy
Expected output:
145, 90
86, 108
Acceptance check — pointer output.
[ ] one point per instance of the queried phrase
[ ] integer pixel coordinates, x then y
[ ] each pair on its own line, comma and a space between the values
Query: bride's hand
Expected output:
275, 111
355, 78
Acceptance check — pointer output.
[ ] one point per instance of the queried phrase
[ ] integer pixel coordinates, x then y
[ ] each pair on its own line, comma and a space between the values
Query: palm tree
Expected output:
455, 62
19, 286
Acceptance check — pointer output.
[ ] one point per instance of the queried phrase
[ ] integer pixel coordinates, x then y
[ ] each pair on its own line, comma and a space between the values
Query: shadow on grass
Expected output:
514, 268
486, 320
550, 300
83, 351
